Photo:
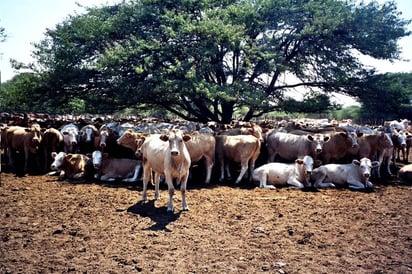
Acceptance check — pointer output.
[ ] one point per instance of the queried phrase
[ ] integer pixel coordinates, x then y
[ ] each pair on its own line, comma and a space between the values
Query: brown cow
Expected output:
254, 130
72, 166
52, 142
372, 146
243, 149
338, 146
23, 140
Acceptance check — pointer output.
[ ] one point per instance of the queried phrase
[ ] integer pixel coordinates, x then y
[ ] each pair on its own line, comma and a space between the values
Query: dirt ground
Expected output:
58, 226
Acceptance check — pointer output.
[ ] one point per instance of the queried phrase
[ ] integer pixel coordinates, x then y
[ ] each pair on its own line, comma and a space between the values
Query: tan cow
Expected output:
71, 166
166, 155
111, 169
202, 146
24, 140
254, 130
243, 149
129, 139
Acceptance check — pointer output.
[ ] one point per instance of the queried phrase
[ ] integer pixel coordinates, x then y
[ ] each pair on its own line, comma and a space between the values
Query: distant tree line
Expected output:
205, 60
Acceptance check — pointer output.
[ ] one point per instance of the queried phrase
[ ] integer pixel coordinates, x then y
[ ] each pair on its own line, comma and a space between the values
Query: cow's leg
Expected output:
263, 181
78, 175
209, 167
135, 175
183, 185
227, 168
157, 182
171, 188
320, 180
108, 178
356, 185
146, 177
295, 183
244, 168
26, 160
222, 171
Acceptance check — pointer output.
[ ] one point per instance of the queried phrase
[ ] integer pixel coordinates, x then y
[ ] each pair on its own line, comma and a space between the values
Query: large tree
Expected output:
204, 59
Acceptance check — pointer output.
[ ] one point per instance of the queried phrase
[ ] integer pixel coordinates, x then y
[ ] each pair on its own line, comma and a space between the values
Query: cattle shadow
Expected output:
158, 215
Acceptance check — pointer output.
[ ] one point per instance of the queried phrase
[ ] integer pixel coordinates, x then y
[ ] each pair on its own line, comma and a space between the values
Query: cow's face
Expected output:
58, 160
97, 158
353, 137
317, 141
305, 166
70, 136
401, 139
176, 142
104, 135
87, 134
364, 167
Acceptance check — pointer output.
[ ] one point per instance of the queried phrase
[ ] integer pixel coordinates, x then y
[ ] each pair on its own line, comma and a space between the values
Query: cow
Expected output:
405, 174
337, 147
106, 141
202, 146
372, 146
52, 142
71, 166
23, 140
254, 130
166, 155
111, 169
289, 147
129, 139
87, 134
296, 174
243, 149
355, 174
398, 125
399, 139
70, 134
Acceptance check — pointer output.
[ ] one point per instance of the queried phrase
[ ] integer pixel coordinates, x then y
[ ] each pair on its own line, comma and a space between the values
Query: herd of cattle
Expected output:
300, 153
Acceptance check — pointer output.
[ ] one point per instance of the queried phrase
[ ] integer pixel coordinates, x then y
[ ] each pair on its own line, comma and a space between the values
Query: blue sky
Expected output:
25, 22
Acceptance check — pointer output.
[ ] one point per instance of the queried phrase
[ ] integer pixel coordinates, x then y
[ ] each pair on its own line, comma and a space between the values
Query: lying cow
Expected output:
405, 174
356, 174
71, 166
111, 169
296, 175
166, 155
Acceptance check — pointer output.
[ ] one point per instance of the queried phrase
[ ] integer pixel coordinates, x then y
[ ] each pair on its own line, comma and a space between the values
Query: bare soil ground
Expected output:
53, 226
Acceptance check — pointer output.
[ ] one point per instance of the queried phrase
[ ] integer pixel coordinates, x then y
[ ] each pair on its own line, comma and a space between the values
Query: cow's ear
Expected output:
53, 154
359, 134
299, 161
375, 163
356, 162
344, 134
186, 137
326, 138
65, 132
27, 129
164, 137
309, 137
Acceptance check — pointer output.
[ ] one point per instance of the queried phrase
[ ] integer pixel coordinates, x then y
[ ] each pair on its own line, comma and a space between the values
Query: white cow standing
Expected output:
166, 155
296, 174
356, 174
70, 134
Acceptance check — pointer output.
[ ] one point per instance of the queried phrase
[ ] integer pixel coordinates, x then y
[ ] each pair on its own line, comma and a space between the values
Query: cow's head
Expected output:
58, 160
352, 138
97, 158
176, 141
303, 168
87, 134
70, 135
317, 141
364, 167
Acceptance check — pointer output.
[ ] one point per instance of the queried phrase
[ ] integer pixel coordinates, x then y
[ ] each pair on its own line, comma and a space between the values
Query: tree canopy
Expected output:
201, 60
